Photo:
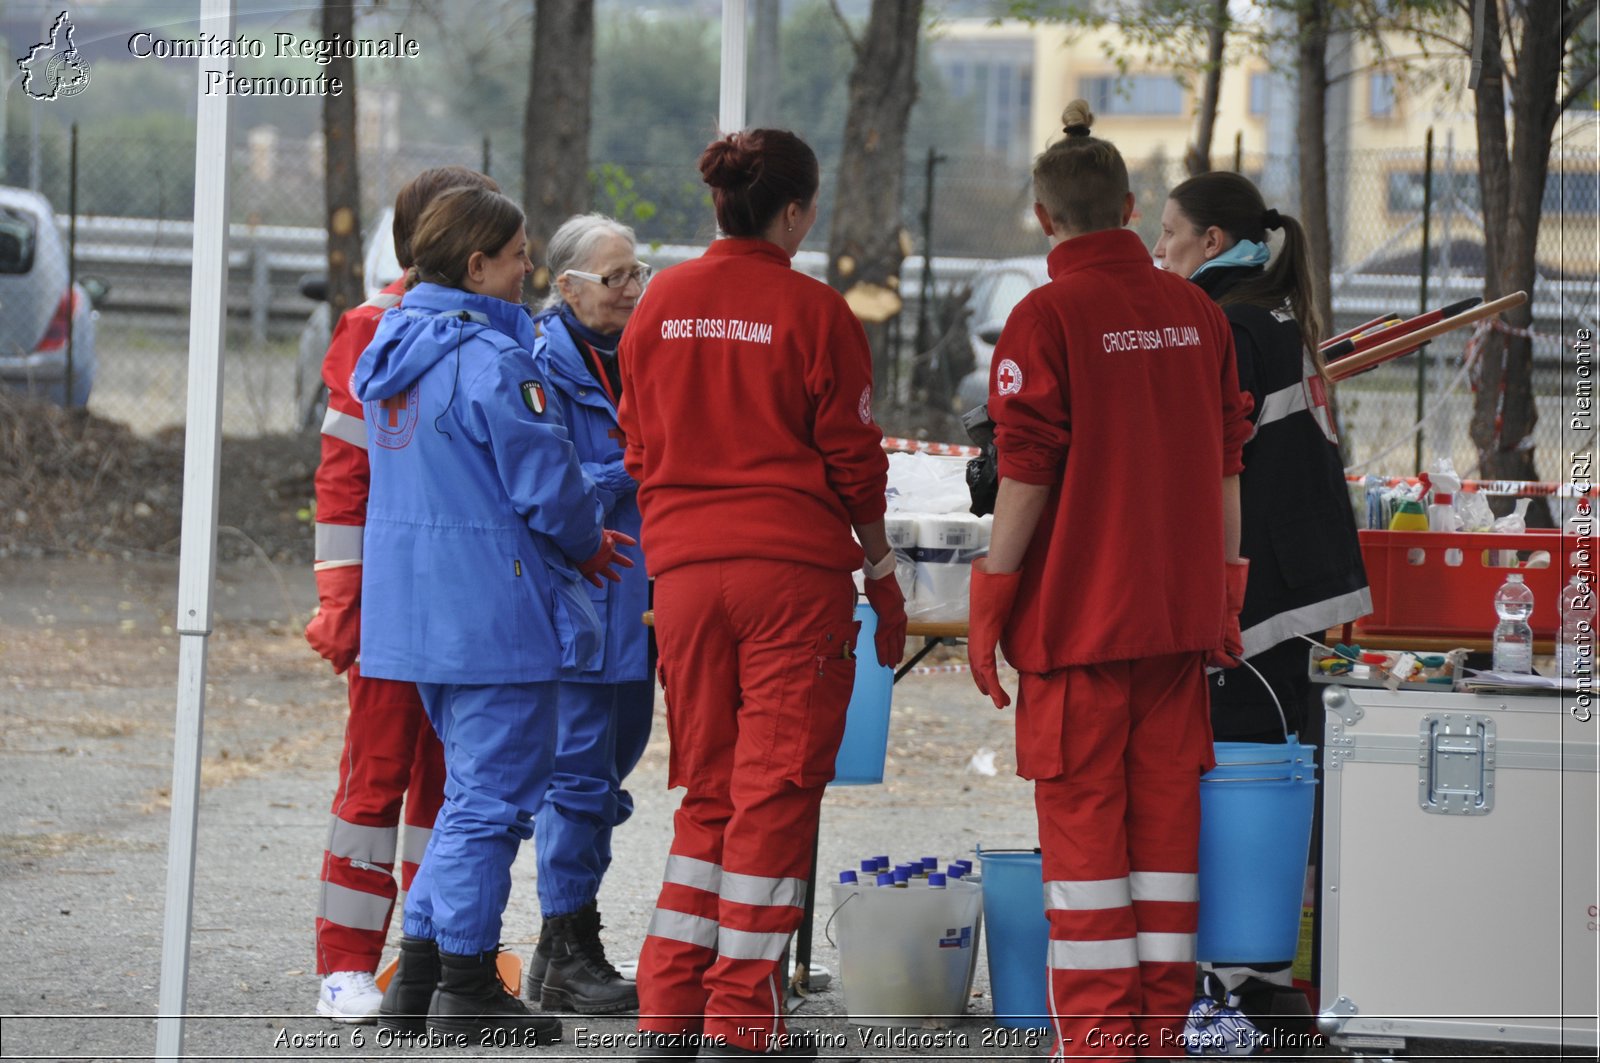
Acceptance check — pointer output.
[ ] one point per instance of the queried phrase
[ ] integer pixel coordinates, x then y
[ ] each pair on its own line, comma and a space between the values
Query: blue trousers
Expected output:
499, 750
602, 731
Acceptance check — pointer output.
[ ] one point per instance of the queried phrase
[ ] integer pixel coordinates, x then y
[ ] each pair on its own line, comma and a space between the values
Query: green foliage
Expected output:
616, 195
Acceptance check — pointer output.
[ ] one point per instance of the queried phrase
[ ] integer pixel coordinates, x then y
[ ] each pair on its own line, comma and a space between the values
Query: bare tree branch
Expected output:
844, 25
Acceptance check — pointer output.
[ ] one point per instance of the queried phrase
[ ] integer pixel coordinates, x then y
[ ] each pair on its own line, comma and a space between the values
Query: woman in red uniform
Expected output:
747, 405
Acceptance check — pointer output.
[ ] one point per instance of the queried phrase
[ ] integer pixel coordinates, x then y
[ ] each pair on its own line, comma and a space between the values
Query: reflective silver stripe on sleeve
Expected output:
415, 844
338, 542
383, 300
352, 908
1179, 886
1110, 955
759, 890
750, 945
352, 841
352, 430
1166, 948
681, 926
1087, 895
687, 871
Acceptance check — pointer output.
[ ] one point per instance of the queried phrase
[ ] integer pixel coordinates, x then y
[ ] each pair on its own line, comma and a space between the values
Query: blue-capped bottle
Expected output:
883, 863
869, 865
886, 878
848, 878
952, 871
935, 881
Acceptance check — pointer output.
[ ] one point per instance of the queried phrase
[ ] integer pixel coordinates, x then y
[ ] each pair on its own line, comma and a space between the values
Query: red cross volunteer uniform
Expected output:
1115, 385
390, 750
747, 406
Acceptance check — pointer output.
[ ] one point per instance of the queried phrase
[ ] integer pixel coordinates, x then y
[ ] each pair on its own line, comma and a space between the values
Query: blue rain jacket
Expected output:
479, 510
591, 421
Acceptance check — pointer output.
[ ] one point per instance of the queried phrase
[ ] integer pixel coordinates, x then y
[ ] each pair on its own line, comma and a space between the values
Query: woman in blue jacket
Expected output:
481, 526
604, 720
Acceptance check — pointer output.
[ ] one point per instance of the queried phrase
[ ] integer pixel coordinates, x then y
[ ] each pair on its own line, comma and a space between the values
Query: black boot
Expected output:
533, 978
472, 1001
579, 977
405, 1003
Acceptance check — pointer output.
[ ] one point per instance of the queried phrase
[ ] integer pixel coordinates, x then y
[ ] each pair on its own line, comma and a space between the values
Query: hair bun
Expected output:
728, 163
1077, 119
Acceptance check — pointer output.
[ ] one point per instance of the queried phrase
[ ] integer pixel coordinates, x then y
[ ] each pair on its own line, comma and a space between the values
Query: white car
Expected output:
380, 268
37, 309
996, 291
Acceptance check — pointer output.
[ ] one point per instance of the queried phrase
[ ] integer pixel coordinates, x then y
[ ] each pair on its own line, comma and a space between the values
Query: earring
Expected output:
791, 228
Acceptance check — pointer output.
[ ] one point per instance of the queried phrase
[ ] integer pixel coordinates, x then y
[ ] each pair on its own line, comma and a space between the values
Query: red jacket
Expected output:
747, 406
1115, 384
343, 475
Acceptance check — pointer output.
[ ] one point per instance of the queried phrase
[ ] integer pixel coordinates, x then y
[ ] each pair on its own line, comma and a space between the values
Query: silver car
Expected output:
996, 291
38, 313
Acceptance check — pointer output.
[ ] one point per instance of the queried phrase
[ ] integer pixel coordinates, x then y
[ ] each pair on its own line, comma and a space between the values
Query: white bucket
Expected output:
906, 955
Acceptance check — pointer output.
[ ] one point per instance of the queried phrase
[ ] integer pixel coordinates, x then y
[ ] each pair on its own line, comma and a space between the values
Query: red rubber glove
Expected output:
1237, 577
889, 603
992, 596
601, 564
335, 631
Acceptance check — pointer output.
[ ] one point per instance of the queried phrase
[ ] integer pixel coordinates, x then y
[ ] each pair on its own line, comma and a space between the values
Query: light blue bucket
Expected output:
1256, 809
1017, 937
866, 726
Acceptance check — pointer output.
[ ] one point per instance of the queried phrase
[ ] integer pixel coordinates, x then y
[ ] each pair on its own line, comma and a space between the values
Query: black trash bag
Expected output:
983, 471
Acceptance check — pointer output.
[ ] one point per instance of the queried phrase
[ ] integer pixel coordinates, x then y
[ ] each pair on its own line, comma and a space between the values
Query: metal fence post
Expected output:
1422, 294
72, 264
260, 290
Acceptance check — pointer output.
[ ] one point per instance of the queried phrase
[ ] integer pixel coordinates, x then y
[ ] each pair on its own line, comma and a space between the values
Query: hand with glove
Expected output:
335, 631
886, 599
601, 564
992, 596
1236, 577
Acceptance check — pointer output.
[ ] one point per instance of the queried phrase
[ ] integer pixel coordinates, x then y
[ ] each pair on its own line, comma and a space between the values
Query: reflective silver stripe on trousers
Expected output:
1094, 955
1178, 886
681, 926
1086, 895
687, 871
352, 908
352, 841
750, 945
338, 542
416, 844
760, 890
352, 430
1166, 948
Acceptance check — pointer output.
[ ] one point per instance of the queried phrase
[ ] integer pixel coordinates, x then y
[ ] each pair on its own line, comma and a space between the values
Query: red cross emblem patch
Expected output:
1008, 377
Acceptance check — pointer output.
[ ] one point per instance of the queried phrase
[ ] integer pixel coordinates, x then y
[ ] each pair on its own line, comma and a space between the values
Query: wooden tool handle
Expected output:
1355, 363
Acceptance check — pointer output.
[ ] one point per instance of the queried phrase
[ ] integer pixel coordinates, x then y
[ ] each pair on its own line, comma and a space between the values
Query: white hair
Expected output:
571, 245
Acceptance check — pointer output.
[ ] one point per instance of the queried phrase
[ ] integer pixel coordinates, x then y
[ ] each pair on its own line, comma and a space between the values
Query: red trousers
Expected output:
757, 665
1116, 751
390, 754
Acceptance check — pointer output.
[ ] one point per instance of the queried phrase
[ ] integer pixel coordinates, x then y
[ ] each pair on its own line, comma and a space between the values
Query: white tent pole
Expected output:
730, 108
198, 553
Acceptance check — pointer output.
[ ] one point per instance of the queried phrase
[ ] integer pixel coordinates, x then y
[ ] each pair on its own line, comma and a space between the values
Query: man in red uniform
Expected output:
390, 751
1119, 424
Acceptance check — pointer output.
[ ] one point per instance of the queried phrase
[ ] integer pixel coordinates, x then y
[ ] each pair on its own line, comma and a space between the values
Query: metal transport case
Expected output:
1459, 869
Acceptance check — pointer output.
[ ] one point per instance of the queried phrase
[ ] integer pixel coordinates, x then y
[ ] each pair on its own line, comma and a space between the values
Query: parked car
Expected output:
996, 291
380, 268
38, 311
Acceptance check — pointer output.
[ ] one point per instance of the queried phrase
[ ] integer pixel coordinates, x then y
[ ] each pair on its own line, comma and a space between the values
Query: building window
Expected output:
1260, 92
1141, 94
1380, 95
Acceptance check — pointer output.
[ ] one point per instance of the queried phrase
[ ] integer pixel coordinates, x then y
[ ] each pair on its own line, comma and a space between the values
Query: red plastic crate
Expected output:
1417, 591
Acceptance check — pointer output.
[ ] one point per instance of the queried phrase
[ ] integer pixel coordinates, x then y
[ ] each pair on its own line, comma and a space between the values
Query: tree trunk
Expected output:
1197, 159
765, 64
866, 242
341, 181
1512, 172
555, 126
1312, 139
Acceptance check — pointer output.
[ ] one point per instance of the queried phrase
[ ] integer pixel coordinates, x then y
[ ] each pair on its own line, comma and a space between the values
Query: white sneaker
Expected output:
349, 996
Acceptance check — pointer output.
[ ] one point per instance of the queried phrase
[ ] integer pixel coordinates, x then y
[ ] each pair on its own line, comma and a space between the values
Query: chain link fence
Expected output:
134, 199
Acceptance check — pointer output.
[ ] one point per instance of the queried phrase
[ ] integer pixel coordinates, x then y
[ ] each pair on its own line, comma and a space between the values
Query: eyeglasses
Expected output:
619, 279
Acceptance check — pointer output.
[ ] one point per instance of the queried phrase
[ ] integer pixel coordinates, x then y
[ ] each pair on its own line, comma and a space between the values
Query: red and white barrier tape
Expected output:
940, 669
923, 446
1529, 488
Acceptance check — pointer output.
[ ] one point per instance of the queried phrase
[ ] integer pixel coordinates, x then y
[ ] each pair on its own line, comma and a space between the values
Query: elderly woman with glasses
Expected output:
604, 714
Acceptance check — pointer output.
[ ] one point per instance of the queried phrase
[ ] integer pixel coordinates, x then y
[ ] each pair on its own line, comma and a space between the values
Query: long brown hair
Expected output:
1233, 204
755, 174
458, 222
1080, 180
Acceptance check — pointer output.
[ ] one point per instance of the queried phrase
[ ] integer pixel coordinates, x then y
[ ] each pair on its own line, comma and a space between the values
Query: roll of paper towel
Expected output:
946, 546
902, 533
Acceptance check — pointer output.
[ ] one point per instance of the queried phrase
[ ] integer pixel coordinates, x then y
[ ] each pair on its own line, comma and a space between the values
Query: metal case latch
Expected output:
1455, 766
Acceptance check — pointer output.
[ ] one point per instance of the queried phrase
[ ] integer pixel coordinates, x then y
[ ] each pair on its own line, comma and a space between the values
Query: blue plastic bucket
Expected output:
1017, 937
1256, 808
866, 725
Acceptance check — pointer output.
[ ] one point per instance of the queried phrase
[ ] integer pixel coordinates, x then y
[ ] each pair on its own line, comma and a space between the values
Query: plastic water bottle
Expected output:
885, 878
1513, 638
954, 871
1575, 647
848, 878
935, 881
869, 866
